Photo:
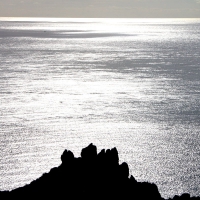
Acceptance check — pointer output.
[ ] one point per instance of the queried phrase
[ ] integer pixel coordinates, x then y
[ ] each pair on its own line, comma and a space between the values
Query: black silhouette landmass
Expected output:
91, 176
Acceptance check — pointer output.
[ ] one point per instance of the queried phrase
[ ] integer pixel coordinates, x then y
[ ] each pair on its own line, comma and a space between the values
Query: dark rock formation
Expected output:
91, 176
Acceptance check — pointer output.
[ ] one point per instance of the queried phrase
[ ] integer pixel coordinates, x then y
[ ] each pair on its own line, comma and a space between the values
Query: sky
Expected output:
101, 8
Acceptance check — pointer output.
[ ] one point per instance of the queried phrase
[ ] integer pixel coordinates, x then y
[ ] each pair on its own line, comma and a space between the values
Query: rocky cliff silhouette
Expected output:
91, 176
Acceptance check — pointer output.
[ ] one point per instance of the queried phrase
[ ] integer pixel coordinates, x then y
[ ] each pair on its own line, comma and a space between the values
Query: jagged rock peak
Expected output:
67, 156
89, 152
114, 155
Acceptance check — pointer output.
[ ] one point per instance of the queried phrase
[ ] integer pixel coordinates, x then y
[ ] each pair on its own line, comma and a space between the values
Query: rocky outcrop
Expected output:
91, 176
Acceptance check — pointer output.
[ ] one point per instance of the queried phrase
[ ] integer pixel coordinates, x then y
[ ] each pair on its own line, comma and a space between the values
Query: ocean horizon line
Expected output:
89, 18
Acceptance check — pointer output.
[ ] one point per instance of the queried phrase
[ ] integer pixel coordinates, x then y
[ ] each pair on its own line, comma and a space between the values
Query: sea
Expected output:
133, 84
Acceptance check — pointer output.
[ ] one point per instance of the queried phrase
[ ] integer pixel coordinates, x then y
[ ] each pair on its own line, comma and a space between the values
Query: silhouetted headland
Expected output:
91, 176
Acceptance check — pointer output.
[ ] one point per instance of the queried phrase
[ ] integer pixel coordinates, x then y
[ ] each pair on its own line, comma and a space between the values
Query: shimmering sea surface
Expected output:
133, 84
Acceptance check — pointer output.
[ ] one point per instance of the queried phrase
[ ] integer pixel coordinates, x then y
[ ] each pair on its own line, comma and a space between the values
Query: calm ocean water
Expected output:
133, 84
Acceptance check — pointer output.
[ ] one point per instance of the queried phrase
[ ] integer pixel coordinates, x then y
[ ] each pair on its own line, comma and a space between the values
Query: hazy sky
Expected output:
100, 8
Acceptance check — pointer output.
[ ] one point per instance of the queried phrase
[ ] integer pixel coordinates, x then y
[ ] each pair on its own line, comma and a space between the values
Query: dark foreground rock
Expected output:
91, 176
